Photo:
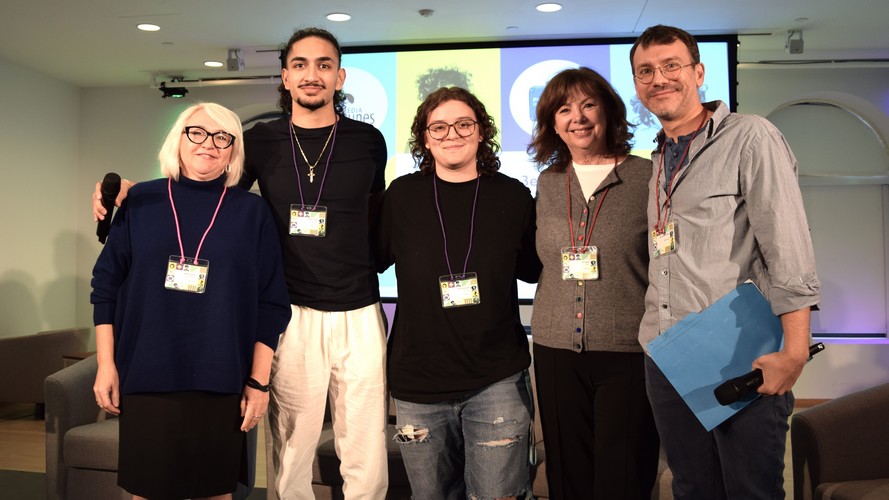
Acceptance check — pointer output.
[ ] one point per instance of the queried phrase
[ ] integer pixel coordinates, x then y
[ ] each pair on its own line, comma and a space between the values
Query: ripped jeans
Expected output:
475, 447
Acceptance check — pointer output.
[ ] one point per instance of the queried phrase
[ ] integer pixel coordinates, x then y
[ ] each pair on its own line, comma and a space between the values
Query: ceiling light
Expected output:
338, 17
148, 27
174, 92
549, 7
213, 64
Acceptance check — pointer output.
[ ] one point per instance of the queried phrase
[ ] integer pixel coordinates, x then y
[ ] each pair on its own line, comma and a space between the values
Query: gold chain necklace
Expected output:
324, 148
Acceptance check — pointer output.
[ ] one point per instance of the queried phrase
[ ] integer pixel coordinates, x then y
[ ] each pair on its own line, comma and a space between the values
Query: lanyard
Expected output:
441, 223
659, 225
599, 203
291, 134
176, 219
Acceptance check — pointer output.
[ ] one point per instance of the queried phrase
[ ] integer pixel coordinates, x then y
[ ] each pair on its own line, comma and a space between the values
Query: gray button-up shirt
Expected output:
739, 215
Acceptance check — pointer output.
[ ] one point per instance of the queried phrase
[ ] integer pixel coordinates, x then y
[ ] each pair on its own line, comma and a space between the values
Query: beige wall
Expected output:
39, 158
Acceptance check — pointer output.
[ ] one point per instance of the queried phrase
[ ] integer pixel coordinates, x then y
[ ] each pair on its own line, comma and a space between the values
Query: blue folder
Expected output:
705, 349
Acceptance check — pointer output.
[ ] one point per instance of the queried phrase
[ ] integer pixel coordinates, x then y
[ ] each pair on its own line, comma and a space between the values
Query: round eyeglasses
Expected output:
198, 135
440, 130
669, 70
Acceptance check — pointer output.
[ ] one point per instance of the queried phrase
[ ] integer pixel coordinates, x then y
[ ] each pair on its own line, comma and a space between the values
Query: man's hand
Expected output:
781, 369
99, 211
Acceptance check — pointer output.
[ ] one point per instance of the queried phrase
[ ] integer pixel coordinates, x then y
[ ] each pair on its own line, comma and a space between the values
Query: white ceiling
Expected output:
95, 43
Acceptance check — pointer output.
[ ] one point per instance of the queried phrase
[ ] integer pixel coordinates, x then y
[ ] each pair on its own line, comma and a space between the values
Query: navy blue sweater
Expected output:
167, 340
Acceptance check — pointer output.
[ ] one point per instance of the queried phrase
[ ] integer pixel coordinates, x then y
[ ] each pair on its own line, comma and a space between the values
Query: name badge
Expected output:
580, 263
304, 222
459, 290
188, 276
663, 242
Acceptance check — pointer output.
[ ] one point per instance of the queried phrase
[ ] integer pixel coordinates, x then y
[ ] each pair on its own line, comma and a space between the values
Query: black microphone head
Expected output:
727, 393
110, 186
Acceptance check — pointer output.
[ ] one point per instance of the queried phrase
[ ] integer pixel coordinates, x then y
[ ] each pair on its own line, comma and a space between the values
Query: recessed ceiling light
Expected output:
213, 64
148, 27
549, 7
338, 17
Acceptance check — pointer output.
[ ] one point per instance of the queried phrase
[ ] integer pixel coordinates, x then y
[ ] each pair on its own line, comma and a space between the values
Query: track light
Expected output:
175, 92
792, 46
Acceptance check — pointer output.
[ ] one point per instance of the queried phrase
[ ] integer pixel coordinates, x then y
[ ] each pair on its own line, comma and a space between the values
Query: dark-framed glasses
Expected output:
463, 127
198, 135
669, 70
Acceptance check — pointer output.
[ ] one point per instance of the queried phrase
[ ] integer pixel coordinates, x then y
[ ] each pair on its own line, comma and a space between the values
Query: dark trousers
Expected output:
598, 432
742, 458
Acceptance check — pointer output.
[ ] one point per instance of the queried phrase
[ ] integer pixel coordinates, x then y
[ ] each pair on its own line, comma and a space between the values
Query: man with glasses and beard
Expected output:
724, 207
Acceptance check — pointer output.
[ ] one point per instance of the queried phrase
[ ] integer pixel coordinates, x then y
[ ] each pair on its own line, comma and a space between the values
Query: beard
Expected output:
310, 104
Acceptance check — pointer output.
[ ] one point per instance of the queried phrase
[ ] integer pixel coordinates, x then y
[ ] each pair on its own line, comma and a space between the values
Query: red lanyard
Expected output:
659, 225
176, 218
589, 233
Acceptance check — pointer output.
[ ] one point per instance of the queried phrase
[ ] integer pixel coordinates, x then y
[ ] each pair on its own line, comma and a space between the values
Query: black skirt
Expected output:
181, 445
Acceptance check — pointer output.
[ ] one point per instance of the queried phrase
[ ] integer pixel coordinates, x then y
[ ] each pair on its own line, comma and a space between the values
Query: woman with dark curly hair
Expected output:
600, 438
459, 233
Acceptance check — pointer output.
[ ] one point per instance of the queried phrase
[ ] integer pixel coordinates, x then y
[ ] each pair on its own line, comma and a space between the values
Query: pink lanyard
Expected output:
659, 226
176, 218
595, 214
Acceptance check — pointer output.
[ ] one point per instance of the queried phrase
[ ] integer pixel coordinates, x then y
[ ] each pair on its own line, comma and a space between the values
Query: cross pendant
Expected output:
311, 175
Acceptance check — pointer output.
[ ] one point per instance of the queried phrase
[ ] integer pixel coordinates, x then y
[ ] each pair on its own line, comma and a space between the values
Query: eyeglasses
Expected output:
669, 70
440, 130
198, 135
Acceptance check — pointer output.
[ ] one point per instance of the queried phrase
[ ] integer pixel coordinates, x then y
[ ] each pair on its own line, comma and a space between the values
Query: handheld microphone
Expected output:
110, 189
731, 391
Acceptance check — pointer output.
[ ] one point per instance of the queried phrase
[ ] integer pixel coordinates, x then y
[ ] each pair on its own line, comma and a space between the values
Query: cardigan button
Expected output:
579, 315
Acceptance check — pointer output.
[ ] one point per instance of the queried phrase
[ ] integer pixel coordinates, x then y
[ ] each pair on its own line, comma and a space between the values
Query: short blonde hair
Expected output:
226, 119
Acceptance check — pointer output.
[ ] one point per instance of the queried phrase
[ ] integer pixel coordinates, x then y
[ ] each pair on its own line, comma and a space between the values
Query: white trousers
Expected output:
340, 356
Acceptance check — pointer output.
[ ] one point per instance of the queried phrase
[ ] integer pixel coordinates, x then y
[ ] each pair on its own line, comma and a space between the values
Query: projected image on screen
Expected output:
384, 86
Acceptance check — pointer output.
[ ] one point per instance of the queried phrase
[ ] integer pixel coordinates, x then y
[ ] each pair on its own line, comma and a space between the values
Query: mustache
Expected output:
313, 84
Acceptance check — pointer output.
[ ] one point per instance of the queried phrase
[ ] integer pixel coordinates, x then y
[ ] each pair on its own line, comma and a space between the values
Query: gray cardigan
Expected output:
603, 314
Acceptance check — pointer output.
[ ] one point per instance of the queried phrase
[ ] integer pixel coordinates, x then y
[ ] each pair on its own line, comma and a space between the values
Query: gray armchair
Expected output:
82, 440
840, 448
25, 361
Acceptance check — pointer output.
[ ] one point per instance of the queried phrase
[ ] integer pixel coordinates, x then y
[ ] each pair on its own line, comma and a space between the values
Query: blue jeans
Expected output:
742, 457
473, 447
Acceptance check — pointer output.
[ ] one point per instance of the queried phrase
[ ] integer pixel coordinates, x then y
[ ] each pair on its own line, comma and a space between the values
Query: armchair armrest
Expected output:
844, 439
69, 403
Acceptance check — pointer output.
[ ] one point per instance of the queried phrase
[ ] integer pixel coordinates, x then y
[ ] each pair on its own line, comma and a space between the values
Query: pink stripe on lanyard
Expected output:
176, 218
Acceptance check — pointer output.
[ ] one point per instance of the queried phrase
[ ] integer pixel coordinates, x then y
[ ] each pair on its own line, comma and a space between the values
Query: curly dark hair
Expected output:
547, 148
665, 35
436, 78
487, 161
285, 100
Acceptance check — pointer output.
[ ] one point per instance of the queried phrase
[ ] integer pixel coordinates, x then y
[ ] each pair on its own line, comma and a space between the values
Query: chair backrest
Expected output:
26, 361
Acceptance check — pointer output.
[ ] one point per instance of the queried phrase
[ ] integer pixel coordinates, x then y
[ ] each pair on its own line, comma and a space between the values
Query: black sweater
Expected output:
168, 340
438, 354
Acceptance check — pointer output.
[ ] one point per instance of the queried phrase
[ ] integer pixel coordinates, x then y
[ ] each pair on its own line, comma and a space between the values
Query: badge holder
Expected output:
187, 276
580, 263
664, 242
304, 222
459, 290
